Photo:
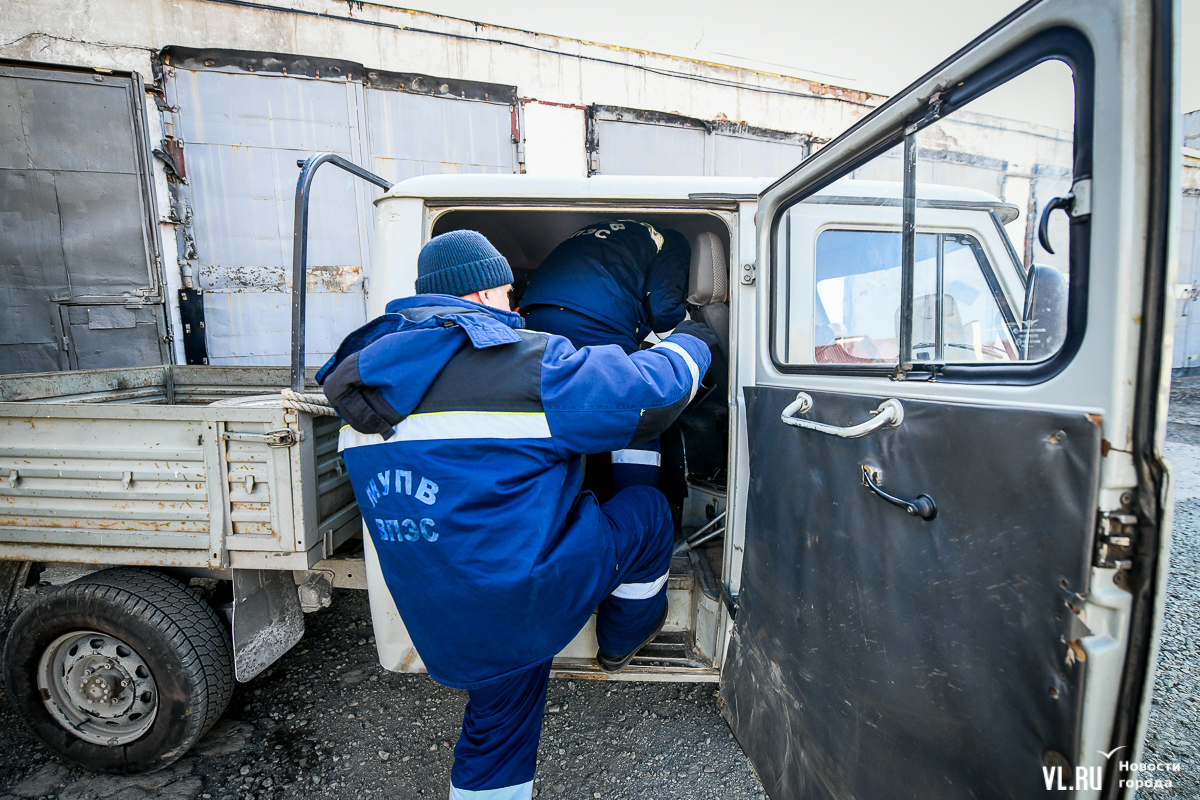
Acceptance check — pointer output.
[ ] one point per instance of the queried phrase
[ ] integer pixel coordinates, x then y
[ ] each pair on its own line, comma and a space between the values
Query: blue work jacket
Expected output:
493, 557
620, 273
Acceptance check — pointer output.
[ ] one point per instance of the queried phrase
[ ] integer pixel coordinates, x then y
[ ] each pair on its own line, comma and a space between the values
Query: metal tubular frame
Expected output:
308, 170
908, 252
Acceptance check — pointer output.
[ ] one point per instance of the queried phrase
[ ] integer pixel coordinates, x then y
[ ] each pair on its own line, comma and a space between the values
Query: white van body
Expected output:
553, 208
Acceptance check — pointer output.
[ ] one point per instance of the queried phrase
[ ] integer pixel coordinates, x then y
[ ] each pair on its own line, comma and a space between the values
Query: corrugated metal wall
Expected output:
243, 134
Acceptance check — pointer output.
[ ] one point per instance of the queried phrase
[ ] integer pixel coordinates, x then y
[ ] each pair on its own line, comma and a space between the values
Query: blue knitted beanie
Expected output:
459, 263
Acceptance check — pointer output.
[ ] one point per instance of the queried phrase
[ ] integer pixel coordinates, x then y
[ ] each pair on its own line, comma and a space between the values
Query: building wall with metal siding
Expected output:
638, 148
549, 68
1191, 130
625, 141
1186, 358
243, 133
752, 157
412, 135
563, 74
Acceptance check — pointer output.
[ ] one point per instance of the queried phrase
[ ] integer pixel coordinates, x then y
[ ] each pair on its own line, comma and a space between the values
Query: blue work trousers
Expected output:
496, 755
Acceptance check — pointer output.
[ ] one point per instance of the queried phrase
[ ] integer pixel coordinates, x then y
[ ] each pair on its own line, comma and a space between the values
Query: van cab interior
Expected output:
694, 450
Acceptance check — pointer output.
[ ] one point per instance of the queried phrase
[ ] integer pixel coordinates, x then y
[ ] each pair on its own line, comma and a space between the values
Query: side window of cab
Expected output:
991, 262
960, 314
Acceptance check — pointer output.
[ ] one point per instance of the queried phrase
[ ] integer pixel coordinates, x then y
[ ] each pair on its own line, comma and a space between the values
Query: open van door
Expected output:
954, 515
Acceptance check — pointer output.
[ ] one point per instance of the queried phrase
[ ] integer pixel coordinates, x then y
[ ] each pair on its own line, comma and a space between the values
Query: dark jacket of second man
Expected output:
625, 274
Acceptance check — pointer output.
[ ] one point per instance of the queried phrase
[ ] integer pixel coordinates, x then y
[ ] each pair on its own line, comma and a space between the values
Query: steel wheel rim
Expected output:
97, 687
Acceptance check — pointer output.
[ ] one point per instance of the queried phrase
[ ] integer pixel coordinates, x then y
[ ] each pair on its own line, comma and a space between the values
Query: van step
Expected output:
680, 576
670, 649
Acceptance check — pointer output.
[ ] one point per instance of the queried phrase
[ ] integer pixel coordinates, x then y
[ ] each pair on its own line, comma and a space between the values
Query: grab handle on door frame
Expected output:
890, 413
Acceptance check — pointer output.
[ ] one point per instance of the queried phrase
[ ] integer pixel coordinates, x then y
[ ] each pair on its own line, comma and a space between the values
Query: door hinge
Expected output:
748, 274
282, 437
1116, 536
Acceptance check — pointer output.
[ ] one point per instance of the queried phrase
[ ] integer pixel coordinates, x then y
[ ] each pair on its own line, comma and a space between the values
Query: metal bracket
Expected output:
1115, 539
267, 619
748, 271
281, 437
191, 317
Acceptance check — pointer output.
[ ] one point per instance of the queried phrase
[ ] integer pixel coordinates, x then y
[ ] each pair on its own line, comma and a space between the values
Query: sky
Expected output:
876, 46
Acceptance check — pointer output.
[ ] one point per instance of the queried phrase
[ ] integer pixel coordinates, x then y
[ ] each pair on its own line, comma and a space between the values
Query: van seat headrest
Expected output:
708, 278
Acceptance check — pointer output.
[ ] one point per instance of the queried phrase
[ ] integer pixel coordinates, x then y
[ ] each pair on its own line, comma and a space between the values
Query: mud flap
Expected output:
267, 619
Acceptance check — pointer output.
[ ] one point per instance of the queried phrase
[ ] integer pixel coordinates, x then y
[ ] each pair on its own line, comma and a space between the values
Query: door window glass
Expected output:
989, 282
856, 308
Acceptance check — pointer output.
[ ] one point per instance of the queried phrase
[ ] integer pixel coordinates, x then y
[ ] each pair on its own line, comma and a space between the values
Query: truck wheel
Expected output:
120, 671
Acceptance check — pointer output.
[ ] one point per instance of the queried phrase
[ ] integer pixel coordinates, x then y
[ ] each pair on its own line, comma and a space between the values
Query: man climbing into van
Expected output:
612, 283
463, 446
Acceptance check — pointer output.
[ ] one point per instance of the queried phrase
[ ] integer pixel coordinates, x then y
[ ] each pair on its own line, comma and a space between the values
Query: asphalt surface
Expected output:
328, 722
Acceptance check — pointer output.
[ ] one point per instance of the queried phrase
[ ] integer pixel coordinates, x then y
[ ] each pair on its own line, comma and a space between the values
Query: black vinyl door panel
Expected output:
878, 655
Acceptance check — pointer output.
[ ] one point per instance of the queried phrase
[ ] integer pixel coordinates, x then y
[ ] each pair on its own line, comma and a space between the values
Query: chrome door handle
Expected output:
889, 413
921, 506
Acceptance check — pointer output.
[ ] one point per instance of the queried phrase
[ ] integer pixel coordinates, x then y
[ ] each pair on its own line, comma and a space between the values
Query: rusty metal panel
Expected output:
745, 156
76, 203
412, 135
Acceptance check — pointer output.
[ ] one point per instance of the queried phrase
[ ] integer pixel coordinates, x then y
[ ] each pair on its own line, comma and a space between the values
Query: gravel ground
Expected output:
329, 722
1174, 730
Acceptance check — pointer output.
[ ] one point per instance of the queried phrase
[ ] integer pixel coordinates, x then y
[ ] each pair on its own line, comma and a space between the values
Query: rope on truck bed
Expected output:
312, 403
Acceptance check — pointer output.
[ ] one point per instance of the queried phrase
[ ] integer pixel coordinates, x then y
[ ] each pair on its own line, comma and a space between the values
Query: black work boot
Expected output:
617, 663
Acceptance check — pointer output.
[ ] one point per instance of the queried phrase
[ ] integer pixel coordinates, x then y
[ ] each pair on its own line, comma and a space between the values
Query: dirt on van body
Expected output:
328, 722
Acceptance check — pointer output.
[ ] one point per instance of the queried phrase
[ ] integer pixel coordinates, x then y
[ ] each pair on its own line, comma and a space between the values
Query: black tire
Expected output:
176, 634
